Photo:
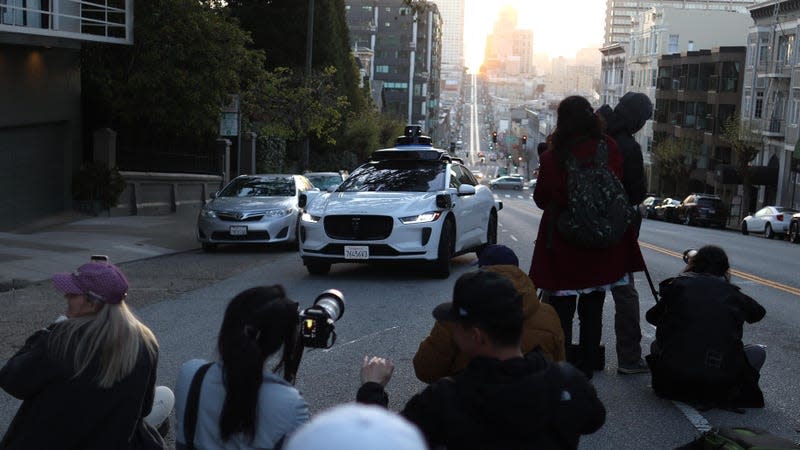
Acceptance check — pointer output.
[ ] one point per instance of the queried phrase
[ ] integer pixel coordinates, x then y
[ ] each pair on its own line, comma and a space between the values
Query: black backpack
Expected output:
597, 213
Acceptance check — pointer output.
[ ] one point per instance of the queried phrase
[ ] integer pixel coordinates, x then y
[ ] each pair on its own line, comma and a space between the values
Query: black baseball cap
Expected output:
479, 296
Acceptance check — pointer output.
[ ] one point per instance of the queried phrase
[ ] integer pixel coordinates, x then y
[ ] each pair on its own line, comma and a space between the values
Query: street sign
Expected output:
229, 124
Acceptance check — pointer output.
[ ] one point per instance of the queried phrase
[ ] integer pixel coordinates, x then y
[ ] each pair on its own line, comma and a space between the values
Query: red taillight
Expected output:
779, 217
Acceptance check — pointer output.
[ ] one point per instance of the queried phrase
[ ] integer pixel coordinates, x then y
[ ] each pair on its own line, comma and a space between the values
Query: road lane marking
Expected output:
360, 339
512, 237
695, 418
734, 272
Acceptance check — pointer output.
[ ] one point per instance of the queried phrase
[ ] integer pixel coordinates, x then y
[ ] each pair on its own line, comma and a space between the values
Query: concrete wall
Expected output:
151, 193
40, 138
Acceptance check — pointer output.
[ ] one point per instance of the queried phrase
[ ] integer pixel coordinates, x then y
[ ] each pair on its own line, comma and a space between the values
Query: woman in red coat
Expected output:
571, 275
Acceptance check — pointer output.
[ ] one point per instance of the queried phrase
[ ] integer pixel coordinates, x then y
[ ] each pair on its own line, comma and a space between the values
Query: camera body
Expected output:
317, 321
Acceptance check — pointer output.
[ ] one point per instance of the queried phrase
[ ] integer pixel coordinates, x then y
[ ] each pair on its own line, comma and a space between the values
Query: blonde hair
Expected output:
114, 336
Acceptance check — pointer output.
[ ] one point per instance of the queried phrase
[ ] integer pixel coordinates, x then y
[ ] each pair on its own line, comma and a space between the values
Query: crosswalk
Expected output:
520, 196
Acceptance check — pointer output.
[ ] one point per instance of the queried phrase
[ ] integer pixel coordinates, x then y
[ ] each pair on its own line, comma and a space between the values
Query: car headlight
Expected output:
421, 218
209, 213
306, 217
277, 212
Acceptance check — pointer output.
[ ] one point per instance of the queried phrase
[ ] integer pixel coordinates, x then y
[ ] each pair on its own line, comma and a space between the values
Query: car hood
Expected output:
379, 203
250, 203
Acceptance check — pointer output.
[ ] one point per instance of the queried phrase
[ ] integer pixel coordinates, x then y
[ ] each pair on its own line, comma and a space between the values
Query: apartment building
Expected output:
509, 50
696, 92
771, 98
407, 48
40, 104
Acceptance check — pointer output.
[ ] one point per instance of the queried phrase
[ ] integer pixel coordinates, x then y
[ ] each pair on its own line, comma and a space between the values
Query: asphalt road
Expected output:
388, 313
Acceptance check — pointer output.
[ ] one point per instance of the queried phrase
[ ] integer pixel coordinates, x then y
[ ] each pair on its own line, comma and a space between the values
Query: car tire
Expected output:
688, 220
208, 247
491, 232
441, 268
318, 267
744, 228
794, 232
768, 233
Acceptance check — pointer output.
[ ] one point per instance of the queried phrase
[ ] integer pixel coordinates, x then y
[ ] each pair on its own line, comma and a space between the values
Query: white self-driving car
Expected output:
411, 203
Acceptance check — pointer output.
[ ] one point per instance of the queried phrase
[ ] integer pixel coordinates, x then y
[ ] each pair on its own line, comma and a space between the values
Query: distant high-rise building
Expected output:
509, 50
452, 12
620, 14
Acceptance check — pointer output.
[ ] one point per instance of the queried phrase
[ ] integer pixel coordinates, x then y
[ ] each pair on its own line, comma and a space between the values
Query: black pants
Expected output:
626, 323
590, 315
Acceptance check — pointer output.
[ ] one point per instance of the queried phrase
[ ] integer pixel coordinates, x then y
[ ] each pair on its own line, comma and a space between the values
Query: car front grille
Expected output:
358, 228
239, 217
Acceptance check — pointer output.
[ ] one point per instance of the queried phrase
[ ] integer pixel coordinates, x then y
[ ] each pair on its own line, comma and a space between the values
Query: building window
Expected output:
387, 24
759, 105
653, 77
382, 69
795, 109
673, 43
763, 51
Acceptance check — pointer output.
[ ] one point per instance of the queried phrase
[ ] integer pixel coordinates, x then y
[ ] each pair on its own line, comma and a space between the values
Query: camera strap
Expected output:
192, 404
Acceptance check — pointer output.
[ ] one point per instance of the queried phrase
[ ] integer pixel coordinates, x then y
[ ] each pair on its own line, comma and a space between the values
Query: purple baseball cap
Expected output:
99, 281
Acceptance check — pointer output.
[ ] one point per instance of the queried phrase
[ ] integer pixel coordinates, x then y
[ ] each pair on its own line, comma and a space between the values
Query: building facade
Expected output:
40, 118
509, 50
771, 101
407, 46
696, 92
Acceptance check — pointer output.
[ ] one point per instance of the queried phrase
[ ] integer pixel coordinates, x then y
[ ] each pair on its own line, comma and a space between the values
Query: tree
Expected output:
670, 156
745, 145
166, 89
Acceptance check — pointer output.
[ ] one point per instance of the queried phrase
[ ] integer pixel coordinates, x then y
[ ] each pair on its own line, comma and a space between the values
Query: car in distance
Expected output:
412, 203
666, 210
770, 220
507, 182
794, 228
649, 206
324, 180
702, 209
253, 209
477, 174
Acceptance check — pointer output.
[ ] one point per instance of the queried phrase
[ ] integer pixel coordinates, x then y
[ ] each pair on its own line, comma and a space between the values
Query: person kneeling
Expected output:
698, 356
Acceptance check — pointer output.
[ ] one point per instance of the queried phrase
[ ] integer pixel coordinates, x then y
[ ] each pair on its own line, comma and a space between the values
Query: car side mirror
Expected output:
466, 189
302, 201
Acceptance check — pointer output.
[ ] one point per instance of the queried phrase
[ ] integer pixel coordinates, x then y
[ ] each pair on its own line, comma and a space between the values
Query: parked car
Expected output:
666, 210
411, 203
507, 182
794, 229
702, 209
648, 206
770, 220
324, 180
253, 209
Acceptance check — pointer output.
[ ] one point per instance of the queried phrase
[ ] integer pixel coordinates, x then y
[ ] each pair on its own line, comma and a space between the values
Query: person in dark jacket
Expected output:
627, 118
568, 274
501, 399
88, 381
698, 355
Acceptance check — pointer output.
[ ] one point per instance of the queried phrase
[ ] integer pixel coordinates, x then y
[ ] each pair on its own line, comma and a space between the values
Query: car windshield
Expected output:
709, 201
396, 176
323, 182
259, 187
781, 209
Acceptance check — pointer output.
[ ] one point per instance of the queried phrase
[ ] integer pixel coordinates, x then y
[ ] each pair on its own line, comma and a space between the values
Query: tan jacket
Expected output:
438, 356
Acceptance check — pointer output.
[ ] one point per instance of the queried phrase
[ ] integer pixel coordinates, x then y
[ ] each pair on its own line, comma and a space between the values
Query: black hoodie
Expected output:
512, 404
628, 117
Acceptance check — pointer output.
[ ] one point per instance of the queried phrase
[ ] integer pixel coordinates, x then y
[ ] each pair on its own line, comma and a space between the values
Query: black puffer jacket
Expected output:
512, 404
628, 117
698, 355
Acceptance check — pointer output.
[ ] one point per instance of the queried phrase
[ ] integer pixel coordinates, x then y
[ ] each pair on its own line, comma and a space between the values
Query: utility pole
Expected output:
309, 51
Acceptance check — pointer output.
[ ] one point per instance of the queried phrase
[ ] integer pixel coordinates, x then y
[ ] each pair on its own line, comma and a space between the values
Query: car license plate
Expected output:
356, 252
238, 231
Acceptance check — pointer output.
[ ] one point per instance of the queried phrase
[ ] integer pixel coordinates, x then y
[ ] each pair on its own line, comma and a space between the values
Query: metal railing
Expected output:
108, 21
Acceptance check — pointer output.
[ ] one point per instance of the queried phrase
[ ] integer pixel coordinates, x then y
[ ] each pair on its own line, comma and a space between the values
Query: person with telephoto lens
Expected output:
236, 403
87, 381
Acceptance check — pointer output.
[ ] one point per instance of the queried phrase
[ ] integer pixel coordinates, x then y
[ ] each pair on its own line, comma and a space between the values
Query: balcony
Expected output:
110, 21
775, 69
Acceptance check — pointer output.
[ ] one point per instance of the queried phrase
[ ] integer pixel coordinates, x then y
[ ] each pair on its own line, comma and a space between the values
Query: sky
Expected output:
560, 27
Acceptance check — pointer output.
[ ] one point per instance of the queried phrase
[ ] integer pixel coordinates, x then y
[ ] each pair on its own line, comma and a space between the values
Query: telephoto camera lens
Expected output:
688, 254
332, 301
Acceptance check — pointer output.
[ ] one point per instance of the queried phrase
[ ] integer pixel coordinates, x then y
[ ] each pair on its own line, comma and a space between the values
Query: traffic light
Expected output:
524, 139
494, 136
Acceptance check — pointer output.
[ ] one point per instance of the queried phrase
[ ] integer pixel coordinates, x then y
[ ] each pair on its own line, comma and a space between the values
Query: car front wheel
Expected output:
744, 229
441, 268
794, 232
768, 233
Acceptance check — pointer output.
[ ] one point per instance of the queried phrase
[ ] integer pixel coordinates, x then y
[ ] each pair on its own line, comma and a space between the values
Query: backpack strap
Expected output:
192, 404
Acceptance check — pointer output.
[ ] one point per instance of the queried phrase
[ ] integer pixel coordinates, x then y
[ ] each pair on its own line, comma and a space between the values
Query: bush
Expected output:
97, 185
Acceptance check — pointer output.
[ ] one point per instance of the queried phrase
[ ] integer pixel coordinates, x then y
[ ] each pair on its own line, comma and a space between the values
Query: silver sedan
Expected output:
253, 209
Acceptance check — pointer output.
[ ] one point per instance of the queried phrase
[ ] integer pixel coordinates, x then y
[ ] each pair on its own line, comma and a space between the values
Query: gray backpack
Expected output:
597, 213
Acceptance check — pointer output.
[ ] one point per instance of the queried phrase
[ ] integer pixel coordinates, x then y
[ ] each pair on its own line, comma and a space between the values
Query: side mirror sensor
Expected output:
302, 201
444, 201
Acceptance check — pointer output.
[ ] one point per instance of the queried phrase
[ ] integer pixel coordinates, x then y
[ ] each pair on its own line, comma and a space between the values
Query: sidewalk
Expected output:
64, 242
